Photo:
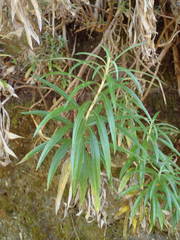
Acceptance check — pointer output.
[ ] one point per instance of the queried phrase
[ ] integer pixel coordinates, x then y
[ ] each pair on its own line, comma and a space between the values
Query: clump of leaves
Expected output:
109, 124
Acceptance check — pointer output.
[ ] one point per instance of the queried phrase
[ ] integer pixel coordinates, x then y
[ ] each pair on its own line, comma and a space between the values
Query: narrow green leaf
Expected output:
104, 144
125, 179
78, 144
156, 149
168, 194
111, 120
56, 160
92, 55
137, 101
95, 170
128, 163
81, 86
137, 204
167, 128
36, 112
176, 202
61, 73
97, 72
90, 63
75, 65
129, 48
111, 89
130, 190
116, 69
57, 136
79, 157
43, 113
142, 172
108, 53
83, 178
169, 145
132, 76
153, 188
154, 209
58, 90
52, 115
30, 154
147, 193
171, 180
160, 215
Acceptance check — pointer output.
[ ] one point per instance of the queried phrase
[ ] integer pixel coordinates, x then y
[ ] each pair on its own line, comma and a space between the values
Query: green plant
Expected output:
108, 124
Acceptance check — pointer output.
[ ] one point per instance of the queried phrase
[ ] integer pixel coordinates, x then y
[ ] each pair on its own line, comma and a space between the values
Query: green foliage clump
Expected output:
114, 121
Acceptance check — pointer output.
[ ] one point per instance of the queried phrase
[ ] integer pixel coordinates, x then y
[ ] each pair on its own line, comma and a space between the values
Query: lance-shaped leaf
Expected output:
95, 171
65, 173
83, 177
52, 115
104, 144
51, 143
56, 160
111, 120
58, 90
78, 143
30, 154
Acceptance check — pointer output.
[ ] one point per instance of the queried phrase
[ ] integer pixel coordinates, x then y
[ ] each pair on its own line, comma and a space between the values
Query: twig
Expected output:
177, 66
100, 88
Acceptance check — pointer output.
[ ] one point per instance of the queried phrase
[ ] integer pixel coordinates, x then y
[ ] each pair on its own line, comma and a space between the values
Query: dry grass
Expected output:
5, 135
22, 14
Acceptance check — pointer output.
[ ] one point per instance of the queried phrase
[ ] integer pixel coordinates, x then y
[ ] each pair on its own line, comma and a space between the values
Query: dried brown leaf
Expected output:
65, 173
11, 135
6, 149
37, 12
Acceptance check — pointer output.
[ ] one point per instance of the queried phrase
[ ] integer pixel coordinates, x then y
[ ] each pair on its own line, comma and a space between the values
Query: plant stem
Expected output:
100, 89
